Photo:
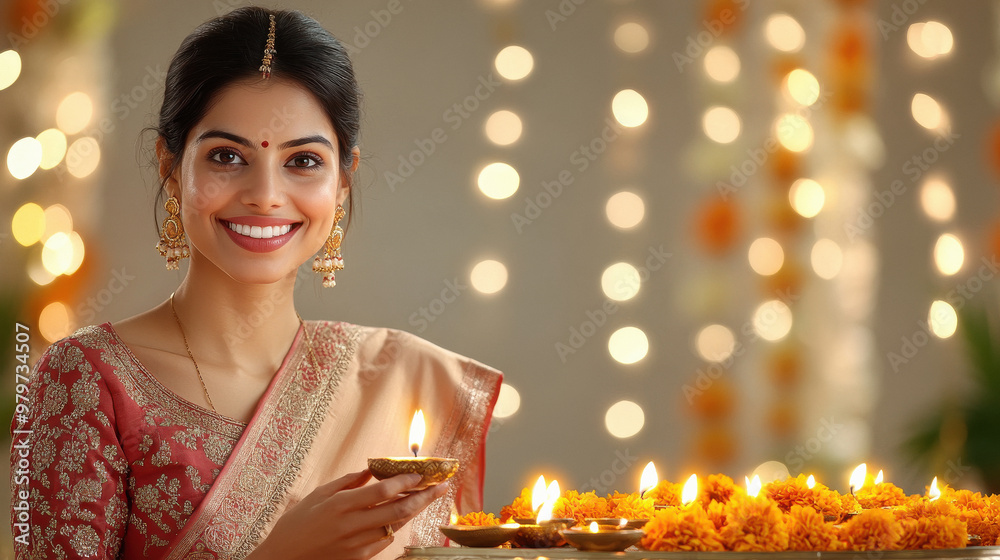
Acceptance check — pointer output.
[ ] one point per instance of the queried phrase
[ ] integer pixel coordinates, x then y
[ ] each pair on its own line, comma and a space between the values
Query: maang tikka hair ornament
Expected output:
331, 260
173, 244
269, 52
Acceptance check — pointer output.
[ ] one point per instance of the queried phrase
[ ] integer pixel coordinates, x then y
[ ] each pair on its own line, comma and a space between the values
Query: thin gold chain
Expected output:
190, 355
312, 353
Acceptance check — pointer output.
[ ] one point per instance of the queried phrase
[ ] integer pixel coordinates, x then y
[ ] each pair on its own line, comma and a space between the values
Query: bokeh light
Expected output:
10, 68
721, 124
766, 256
620, 281
624, 419
78, 252
930, 39
942, 319
827, 258
498, 180
937, 200
74, 112
508, 402
24, 157
514, 62
628, 345
489, 276
57, 254
722, 64
631, 37
629, 108
55, 321
949, 255
715, 343
28, 224
625, 209
802, 87
927, 112
794, 132
772, 320
807, 197
53, 143
503, 128
82, 157
57, 219
784, 33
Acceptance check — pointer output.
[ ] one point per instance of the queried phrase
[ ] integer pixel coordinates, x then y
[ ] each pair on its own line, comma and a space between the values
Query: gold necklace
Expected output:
312, 353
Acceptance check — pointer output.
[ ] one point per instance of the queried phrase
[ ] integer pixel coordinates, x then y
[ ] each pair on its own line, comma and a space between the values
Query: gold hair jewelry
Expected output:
269, 52
331, 260
173, 245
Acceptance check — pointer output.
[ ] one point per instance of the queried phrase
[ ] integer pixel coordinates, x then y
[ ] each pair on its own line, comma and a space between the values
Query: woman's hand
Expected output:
344, 519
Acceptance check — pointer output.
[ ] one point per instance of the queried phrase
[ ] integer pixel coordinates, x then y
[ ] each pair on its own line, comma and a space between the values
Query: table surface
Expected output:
463, 553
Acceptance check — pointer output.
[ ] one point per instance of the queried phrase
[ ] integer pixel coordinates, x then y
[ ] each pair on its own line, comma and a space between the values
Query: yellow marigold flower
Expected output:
885, 494
754, 525
872, 529
478, 519
807, 530
937, 532
577, 506
717, 488
795, 491
520, 507
680, 529
915, 509
630, 506
666, 493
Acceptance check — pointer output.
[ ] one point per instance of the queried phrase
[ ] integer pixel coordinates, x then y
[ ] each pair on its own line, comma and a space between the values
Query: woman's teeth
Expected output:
258, 232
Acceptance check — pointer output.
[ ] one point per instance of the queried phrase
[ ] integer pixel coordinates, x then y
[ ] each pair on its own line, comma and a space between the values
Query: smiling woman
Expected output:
219, 424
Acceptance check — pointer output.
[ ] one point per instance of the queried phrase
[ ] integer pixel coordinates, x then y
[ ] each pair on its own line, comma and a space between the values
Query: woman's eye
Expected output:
226, 157
303, 161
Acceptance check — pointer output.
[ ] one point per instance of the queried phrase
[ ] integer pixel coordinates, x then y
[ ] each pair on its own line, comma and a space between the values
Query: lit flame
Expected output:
690, 491
811, 481
551, 495
879, 478
933, 493
538, 494
753, 486
622, 522
648, 480
453, 519
593, 527
858, 477
417, 429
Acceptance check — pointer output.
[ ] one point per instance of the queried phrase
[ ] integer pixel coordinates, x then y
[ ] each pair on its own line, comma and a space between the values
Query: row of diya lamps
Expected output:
544, 531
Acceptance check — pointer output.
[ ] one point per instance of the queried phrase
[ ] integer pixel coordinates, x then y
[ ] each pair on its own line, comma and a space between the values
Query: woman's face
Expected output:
259, 181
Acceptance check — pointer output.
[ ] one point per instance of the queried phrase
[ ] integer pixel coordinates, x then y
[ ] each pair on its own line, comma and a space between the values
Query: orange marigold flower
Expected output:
936, 532
915, 509
630, 506
478, 519
577, 506
717, 513
674, 529
884, 494
982, 525
754, 524
520, 507
666, 493
807, 530
795, 491
966, 500
872, 529
717, 488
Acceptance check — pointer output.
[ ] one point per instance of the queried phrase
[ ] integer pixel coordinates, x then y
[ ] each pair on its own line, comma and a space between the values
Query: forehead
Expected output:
272, 109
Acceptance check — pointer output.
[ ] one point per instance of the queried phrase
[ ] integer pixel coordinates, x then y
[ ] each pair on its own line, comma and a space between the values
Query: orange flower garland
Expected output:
478, 519
681, 529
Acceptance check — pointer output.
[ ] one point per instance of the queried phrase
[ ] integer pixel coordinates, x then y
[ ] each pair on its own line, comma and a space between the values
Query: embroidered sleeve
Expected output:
68, 470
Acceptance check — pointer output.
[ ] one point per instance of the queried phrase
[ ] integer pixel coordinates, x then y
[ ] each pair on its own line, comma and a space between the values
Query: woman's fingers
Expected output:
400, 511
374, 494
347, 482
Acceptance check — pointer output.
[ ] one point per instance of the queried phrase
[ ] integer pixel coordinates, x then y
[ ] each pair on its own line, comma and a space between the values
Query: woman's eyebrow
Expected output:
245, 142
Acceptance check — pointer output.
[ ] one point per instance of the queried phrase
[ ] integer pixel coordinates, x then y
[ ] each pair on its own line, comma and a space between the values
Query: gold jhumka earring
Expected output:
173, 245
331, 260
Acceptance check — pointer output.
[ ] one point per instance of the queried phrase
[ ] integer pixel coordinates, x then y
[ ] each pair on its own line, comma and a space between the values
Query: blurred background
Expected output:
721, 235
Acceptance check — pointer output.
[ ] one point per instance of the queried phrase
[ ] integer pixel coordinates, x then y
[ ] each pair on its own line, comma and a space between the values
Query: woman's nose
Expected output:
264, 190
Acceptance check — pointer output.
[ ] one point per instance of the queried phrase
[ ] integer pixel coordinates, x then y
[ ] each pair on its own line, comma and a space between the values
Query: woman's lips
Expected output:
260, 238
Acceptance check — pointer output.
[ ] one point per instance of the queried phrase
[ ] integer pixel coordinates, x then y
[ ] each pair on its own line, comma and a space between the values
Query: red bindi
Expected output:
264, 144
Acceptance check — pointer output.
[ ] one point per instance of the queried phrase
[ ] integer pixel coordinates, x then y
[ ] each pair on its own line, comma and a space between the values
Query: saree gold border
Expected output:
325, 342
469, 412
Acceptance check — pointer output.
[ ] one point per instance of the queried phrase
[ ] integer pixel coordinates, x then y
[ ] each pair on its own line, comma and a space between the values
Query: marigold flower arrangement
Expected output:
933, 532
520, 508
872, 529
666, 493
717, 488
681, 529
883, 494
795, 491
630, 506
754, 524
577, 506
808, 530
477, 519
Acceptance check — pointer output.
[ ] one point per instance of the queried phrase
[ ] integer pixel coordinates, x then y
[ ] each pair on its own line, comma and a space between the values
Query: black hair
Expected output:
229, 49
